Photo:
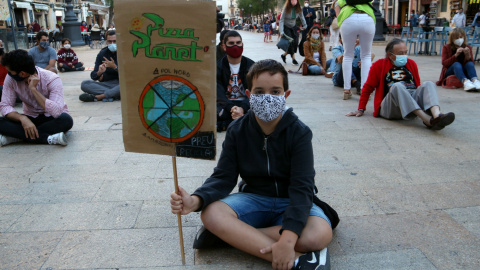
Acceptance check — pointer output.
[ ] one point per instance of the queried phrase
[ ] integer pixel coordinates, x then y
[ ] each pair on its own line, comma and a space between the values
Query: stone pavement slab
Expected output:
407, 196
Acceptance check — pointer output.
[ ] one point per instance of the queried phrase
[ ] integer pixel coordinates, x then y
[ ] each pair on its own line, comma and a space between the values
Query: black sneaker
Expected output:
284, 58
206, 239
86, 97
294, 62
317, 260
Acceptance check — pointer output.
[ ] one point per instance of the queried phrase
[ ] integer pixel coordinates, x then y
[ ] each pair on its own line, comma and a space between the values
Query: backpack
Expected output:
360, 2
328, 22
452, 82
357, 2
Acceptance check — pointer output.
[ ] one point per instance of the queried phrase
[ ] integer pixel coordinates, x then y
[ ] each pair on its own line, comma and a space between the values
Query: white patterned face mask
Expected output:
267, 107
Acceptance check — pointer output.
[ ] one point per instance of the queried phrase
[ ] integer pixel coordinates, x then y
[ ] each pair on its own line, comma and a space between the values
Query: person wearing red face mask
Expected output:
232, 69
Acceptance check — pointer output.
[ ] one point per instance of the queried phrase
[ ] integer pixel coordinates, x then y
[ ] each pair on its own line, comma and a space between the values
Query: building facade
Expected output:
48, 13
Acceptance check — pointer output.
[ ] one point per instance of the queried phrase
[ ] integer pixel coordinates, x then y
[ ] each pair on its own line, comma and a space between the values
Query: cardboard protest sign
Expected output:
167, 73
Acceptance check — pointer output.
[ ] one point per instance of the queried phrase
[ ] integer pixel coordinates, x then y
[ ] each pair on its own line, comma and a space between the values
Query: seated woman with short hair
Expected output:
314, 50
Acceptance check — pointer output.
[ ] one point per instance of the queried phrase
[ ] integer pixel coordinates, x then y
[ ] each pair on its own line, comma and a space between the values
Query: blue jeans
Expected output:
338, 77
262, 211
314, 70
330, 66
466, 71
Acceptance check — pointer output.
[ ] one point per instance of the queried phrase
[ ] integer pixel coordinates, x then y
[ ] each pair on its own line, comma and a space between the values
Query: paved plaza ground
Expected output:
408, 197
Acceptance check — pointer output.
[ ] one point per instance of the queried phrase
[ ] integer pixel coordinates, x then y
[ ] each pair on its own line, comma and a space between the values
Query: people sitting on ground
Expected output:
44, 55
457, 59
297, 229
220, 48
399, 93
67, 58
314, 50
232, 102
104, 84
337, 77
45, 118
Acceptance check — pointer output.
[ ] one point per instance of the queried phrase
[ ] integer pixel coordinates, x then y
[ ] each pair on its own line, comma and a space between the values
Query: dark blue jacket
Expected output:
310, 20
279, 165
109, 74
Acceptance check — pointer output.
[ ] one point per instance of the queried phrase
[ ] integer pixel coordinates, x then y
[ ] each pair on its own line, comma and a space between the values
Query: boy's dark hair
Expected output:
65, 40
231, 33
18, 61
271, 66
110, 33
391, 44
40, 35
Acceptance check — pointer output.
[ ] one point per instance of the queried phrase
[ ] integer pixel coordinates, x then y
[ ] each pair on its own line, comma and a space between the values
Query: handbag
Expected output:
334, 24
304, 69
283, 44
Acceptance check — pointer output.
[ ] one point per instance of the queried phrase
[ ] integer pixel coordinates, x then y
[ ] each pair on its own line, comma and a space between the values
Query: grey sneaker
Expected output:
317, 260
4, 140
58, 138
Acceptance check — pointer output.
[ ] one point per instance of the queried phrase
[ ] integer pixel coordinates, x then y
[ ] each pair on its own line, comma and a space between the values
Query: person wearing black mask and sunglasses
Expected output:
232, 69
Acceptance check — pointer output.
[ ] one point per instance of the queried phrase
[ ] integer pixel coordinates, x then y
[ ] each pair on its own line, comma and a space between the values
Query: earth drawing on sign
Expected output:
171, 108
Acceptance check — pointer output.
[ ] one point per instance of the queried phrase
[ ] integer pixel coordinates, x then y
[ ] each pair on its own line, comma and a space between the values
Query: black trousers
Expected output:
46, 126
292, 32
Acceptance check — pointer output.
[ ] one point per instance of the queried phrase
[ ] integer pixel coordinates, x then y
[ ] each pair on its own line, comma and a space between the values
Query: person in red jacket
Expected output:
457, 59
67, 59
398, 91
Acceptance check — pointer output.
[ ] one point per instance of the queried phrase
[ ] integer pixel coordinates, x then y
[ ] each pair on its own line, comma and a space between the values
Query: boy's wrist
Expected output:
288, 238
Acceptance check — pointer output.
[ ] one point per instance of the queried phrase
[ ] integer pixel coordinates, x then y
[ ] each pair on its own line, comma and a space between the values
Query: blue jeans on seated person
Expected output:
466, 71
338, 77
262, 211
330, 65
314, 70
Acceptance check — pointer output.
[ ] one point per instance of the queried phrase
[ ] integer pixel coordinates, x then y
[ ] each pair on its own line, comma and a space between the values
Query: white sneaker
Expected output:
468, 85
58, 138
4, 140
476, 83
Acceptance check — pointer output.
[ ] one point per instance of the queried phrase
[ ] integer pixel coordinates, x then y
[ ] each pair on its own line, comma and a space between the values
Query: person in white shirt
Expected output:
422, 20
460, 20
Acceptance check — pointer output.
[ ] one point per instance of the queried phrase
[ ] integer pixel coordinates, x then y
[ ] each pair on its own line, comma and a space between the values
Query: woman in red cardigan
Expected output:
457, 59
398, 91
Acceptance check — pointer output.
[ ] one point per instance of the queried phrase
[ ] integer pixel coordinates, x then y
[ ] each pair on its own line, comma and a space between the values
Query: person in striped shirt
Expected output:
45, 118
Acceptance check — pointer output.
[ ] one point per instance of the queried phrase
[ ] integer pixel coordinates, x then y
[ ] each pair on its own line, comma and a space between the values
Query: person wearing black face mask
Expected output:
232, 69
45, 118
44, 55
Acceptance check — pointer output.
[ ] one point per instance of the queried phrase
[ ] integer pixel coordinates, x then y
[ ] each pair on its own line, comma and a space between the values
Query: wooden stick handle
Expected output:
179, 216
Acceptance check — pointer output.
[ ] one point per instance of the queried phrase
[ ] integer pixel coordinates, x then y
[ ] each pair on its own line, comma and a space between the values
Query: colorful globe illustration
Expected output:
171, 108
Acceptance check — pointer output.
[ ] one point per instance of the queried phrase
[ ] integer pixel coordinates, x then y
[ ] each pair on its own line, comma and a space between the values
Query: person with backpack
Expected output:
355, 18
